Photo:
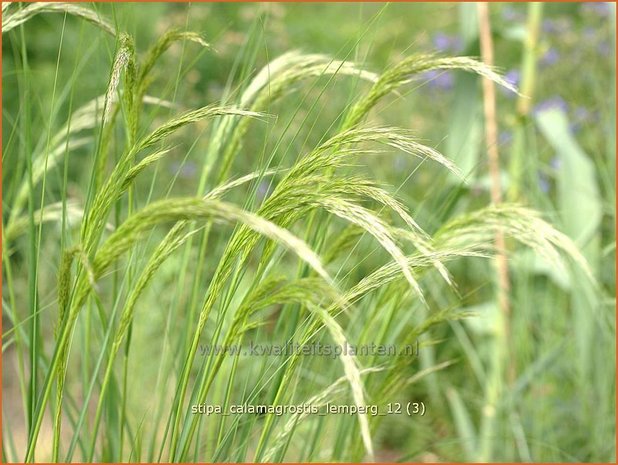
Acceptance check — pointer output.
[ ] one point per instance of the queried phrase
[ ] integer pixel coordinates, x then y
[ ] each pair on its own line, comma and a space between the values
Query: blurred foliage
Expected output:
571, 136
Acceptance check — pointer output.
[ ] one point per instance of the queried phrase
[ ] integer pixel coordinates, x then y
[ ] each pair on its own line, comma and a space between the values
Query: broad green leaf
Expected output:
579, 205
579, 201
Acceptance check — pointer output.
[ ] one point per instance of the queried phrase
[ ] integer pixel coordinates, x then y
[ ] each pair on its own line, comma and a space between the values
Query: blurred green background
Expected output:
559, 158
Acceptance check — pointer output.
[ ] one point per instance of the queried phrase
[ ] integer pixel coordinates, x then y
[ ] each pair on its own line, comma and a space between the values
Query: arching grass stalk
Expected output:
404, 266
270, 84
176, 237
390, 81
94, 222
12, 19
297, 194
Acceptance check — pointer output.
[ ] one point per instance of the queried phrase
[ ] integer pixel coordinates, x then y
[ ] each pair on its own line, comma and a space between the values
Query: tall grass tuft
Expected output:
147, 275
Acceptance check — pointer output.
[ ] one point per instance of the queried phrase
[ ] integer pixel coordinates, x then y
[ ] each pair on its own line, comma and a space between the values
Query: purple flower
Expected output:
512, 77
457, 44
505, 137
604, 48
438, 79
543, 182
556, 26
581, 115
264, 190
550, 57
511, 14
590, 33
441, 41
550, 26
552, 103
446, 43
596, 8
555, 162
185, 170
